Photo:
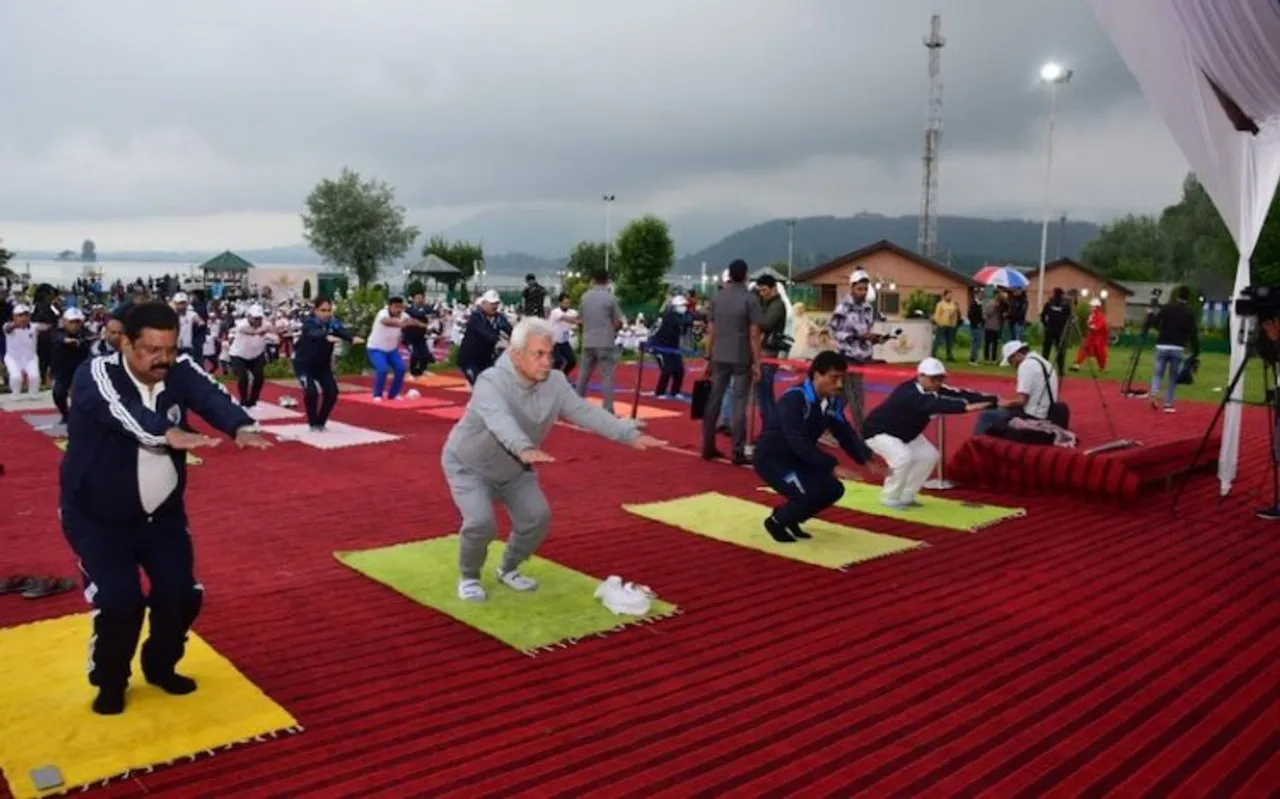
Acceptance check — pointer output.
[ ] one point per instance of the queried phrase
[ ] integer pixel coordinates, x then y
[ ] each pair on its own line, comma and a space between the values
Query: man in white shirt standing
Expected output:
21, 357
249, 355
565, 320
188, 321
1035, 392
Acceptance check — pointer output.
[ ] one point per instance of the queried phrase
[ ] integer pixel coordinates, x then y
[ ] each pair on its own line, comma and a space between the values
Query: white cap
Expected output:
931, 367
679, 301
255, 311
859, 276
490, 296
72, 315
1012, 348
19, 310
181, 296
1095, 302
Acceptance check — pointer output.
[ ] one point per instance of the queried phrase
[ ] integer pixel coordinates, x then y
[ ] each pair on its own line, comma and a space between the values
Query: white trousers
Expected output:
29, 369
912, 462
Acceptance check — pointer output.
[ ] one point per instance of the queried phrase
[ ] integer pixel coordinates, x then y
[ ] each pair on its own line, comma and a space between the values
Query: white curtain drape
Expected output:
1178, 50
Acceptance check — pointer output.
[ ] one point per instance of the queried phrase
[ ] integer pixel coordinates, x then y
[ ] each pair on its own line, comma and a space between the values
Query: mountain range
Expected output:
539, 241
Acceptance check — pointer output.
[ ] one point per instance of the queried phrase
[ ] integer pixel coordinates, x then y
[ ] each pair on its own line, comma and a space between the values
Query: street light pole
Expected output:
1056, 76
608, 228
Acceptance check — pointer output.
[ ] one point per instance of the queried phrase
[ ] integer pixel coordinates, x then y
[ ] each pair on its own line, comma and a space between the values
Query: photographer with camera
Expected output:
1267, 347
1177, 332
773, 325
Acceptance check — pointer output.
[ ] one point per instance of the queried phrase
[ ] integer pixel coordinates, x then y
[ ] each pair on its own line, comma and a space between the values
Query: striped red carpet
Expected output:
1078, 651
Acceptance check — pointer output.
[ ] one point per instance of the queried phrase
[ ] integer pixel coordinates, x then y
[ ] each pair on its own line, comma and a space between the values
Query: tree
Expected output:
465, 255
415, 286
645, 255
88, 251
356, 224
5, 257
306, 289
1132, 248
586, 262
1266, 256
1198, 240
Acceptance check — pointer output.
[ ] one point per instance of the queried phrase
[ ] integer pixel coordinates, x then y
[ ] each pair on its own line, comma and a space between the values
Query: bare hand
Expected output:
357, 340
251, 439
332, 339
645, 442
845, 473
531, 456
977, 406
879, 469
180, 439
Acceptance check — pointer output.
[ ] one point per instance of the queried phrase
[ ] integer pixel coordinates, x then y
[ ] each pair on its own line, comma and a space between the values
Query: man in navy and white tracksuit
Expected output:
895, 429
122, 509
787, 455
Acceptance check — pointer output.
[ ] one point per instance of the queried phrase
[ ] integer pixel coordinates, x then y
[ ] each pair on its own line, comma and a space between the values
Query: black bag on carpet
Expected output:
1187, 374
698, 401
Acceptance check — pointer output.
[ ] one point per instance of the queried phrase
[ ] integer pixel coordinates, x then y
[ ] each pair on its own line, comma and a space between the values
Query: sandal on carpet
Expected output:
41, 587
15, 584
517, 581
471, 591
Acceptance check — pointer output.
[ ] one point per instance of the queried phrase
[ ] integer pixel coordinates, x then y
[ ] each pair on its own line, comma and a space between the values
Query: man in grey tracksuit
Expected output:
490, 453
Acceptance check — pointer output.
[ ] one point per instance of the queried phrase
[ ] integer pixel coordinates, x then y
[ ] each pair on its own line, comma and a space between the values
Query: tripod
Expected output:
1269, 401
1126, 385
1116, 441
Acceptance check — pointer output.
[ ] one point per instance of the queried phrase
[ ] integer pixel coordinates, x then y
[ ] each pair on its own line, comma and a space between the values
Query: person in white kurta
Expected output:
20, 359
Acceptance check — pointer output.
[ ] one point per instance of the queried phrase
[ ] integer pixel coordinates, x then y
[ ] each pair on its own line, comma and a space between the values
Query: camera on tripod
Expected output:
1259, 302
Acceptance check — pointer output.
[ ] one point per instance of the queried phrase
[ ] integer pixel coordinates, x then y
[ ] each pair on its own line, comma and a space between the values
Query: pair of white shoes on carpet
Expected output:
625, 599
473, 590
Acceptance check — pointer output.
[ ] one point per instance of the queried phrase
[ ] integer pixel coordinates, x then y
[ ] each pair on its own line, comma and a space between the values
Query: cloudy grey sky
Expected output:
163, 124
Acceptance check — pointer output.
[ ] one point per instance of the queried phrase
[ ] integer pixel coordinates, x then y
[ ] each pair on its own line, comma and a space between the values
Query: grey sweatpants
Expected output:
474, 495
606, 357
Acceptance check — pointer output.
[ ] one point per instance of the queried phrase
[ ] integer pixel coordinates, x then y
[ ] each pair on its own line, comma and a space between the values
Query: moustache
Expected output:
161, 367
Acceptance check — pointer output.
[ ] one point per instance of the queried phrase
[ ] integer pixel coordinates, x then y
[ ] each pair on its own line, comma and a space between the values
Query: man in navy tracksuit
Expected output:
71, 347
485, 327
787, 455
670, 364
313, 362
123, 480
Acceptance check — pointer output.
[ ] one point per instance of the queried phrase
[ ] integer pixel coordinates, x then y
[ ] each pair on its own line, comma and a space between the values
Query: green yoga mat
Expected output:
952, 514
741, 522
563, 609
192, 460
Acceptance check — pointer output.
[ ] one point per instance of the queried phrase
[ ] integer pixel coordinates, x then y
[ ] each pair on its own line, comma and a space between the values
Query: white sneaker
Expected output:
625, 599
471, 591
517, 581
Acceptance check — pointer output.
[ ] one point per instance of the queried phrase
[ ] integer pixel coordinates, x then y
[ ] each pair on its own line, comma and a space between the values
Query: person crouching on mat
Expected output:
122, 506
490, 453
788, 458
895, 429
249, 355
667, 337
480, 338
71, 347
384, 347
313, 362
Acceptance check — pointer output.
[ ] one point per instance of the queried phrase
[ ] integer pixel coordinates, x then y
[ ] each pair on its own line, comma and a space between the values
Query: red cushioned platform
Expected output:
1120, 474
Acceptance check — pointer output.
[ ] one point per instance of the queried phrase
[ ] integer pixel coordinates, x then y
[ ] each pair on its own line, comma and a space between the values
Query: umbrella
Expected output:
1003, 277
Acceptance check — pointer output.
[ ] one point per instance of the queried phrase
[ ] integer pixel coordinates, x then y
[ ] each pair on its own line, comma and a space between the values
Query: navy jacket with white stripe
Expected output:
108, 424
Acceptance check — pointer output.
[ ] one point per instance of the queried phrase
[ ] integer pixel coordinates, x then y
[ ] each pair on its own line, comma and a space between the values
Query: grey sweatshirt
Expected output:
508, 414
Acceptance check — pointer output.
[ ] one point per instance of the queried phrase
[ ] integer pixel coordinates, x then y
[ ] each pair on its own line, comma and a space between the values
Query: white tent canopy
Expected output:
1212, 72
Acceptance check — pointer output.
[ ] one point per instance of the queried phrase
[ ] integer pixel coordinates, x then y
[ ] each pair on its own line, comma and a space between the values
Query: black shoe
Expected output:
799, 534
173, 683
110, 701
780, 534
741, 459
712, 454
1270, 514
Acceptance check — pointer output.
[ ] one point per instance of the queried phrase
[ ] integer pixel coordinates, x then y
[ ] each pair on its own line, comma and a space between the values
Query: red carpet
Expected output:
1077, 650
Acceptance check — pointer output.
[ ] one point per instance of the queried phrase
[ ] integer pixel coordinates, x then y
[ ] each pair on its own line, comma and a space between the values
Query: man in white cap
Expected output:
1035, 392
21, 359
71, 347
851, 327
484, 330
665, 341
248, 353
895, 429
188, 321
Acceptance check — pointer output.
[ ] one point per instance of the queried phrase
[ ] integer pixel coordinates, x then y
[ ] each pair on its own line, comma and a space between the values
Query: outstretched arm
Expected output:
593, 417
210, 399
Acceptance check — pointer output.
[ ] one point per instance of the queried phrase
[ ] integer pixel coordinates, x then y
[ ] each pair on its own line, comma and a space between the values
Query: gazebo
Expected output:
227, 268
436, 268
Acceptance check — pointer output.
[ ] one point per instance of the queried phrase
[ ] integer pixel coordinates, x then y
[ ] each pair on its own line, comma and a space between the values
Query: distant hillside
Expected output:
967, 243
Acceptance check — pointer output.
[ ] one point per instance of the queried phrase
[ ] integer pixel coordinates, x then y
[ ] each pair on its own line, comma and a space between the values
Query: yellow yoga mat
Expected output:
562, 610
47, 722
738, 521
192, 459
952, 514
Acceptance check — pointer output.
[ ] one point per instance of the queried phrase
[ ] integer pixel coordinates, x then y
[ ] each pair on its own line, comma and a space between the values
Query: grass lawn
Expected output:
1209, 384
